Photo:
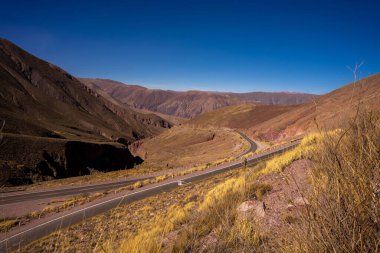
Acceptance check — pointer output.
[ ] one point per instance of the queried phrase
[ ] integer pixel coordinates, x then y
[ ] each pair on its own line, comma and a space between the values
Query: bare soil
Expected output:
282, 203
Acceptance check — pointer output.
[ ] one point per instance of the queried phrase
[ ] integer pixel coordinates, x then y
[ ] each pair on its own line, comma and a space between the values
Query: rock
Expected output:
290, 207
300, 201
255, 206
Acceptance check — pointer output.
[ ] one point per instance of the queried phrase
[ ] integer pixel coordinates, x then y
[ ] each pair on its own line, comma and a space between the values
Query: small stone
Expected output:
300, 201
258, 207
290, 207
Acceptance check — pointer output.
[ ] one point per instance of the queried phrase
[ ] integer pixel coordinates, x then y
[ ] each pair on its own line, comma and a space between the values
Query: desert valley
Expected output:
91, 164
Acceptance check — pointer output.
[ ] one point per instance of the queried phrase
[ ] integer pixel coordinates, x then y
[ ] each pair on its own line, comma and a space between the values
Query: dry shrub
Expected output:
304, 150
149, 238
217, 226
344, 210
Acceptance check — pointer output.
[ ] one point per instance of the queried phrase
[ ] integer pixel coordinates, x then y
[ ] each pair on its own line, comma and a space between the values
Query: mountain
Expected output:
39, 98
327, 112
55, 126
189, 104
241, 116
271, 122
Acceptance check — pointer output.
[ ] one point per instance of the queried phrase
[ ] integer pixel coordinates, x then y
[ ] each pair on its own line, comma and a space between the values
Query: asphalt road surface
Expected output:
20, 197
21, 238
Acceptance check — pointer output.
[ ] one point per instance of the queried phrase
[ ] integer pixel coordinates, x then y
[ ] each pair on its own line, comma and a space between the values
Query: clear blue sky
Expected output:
266, 45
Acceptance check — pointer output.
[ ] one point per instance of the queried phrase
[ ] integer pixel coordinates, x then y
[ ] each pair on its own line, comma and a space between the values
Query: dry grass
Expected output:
53, 206
279, 162
342, 216
344, 211
217, 226
70, 202
109, 230
186, 147
5, 225
148, 239
199, 217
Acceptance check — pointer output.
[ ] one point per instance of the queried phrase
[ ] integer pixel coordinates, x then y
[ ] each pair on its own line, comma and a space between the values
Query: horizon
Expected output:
216, 46
152, 87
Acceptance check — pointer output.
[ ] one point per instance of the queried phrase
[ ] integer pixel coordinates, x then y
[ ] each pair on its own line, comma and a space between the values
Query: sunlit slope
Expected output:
273, 122
242, 116
184, 147
40, 99
326, 112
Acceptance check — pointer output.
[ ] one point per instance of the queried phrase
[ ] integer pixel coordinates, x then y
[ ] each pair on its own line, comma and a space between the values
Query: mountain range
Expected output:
189, 104
58, 125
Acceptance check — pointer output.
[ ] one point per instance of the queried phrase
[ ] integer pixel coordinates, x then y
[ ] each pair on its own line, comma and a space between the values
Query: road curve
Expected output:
253, 145
20, 238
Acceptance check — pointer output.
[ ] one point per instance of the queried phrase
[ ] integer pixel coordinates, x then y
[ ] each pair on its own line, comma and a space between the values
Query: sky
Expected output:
240, 46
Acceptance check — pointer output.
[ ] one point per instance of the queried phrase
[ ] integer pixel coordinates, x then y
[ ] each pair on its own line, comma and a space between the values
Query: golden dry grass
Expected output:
210, 222
7, 224
185, 147
110, 229
344, 210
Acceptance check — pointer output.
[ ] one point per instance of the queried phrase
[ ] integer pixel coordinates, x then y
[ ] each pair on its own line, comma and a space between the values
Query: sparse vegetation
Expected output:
217, 225
148, 238
7, 224
113, 227
304, 150
344, 210
346, 191
53, 206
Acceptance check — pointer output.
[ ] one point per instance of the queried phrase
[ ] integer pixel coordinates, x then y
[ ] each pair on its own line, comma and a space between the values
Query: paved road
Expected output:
77, 190
23, 237
253, 145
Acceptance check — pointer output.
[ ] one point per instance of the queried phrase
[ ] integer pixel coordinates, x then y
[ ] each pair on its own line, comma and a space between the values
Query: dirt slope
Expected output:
186, 147
326, 112
41, 99
241, 116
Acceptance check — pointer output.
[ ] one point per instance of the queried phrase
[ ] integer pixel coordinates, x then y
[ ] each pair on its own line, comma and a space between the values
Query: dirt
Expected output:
283, 205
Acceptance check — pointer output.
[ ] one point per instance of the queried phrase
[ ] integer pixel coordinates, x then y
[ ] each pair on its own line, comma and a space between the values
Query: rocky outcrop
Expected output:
76, 159
82, 156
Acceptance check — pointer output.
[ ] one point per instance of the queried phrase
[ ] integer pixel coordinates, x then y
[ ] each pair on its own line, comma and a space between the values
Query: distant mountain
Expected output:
40, 99
242, 116
272, 122
189, 104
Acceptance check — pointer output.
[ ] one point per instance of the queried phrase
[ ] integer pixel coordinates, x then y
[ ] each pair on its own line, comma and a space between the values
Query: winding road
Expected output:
25, 234
20, 196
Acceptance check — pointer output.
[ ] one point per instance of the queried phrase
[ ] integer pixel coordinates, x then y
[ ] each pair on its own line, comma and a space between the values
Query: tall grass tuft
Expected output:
217, 226
344, 210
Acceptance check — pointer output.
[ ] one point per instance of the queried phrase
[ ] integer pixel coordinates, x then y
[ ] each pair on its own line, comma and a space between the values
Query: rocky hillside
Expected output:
189, 104
47, 112
40, 99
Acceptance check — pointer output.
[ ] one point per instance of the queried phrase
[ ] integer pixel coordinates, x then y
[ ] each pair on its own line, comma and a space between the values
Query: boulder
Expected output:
252, 206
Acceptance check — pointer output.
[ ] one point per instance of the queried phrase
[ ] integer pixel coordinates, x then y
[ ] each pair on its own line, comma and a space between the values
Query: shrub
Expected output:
8, 224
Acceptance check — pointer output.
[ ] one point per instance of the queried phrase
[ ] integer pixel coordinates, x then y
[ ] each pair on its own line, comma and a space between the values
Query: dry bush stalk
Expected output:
344, 211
